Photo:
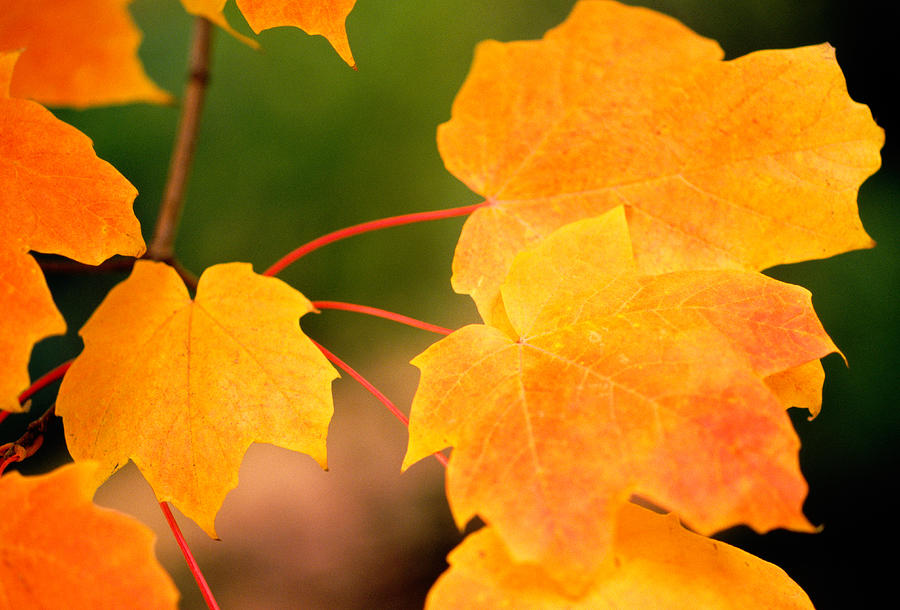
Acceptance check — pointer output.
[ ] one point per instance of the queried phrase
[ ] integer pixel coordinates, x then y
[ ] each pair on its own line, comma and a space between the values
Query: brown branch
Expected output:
58, 264
162, 246
113, 265
29, 442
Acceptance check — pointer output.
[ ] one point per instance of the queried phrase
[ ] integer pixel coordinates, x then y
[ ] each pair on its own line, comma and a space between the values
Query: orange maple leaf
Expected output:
315, 17
742, 164
655, 563
183, 387
58, 550
616, 383
76, 52
57, 197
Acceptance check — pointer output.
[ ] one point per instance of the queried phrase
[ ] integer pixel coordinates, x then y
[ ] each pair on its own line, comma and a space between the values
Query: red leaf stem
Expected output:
372, 390
372, 225
44, 380
7, 462
40, 383
12, 458
382, 313
189, 558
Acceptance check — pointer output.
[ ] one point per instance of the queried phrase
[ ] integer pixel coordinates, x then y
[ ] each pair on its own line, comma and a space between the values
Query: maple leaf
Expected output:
57, 197
315, 17
58, 550
656, 564
322, 17
76, 52
617, 383
741, 164
183, 387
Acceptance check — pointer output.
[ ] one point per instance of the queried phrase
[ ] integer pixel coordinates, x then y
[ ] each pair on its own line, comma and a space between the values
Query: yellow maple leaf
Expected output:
183, 387
743, 164
655, 563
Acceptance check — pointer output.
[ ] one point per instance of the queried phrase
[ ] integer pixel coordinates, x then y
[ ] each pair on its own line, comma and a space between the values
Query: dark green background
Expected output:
295, 144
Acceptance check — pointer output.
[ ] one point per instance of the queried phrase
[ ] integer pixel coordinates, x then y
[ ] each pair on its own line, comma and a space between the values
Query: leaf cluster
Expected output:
632, 360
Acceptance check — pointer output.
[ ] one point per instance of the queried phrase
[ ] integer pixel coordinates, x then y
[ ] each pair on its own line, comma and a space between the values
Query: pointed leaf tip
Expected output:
315, 17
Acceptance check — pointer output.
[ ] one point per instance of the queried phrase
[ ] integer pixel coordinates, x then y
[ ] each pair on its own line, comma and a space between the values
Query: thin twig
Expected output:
162, 246
190, 280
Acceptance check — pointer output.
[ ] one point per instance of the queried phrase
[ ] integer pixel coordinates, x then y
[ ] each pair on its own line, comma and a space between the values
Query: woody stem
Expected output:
162, 246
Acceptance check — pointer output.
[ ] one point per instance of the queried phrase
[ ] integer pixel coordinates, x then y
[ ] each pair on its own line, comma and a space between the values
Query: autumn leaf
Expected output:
57, 197
76, 53
743, 164
617, 383
58, 550
655, 563
315, 17
183, 387
322, 17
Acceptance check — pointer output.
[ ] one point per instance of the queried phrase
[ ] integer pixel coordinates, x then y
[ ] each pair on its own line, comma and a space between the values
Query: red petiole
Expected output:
382, 313
374, 391
40, 383
193, 566
372, 225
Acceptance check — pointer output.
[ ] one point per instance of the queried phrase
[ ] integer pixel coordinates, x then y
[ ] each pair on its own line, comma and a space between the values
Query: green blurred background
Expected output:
295, 144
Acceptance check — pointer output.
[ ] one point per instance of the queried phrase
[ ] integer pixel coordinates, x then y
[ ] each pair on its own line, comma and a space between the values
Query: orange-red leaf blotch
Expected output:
58, 550
183, 387
742, 164
617, 384
59, 198
315, 17
76, 52
656, 564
